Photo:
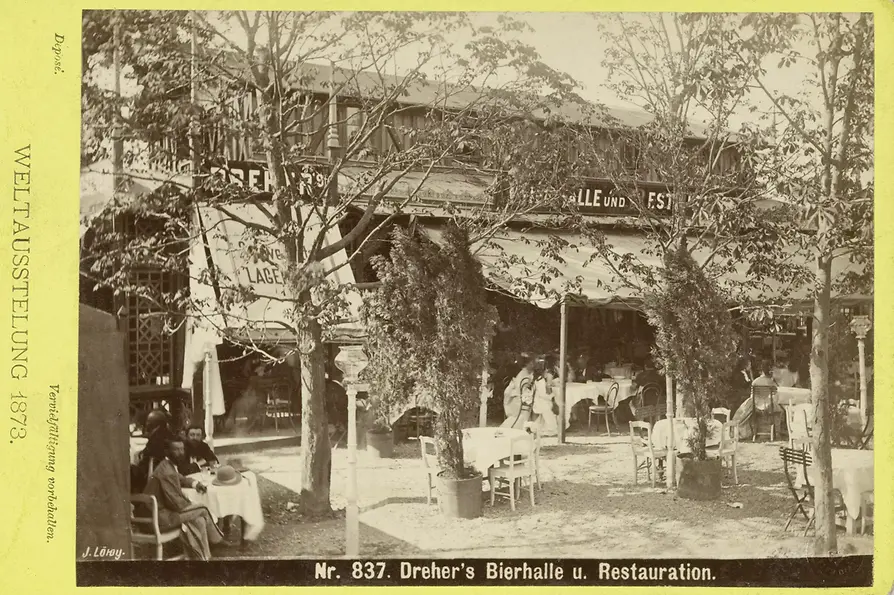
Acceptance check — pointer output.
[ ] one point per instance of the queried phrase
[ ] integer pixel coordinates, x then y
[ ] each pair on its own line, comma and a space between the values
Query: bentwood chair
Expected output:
145, 529
518, 466
607, 409
429, 449
641, 445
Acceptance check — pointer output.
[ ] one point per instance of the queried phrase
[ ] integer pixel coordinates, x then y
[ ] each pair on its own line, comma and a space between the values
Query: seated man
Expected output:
175, 509
649, 375
198, 453
585, 371
158, 433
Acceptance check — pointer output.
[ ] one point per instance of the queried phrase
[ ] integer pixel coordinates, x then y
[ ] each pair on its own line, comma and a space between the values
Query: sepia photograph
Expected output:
476, 298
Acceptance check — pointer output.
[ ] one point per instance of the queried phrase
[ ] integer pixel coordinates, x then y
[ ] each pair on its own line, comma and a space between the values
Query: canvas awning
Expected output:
518, 263
230, 259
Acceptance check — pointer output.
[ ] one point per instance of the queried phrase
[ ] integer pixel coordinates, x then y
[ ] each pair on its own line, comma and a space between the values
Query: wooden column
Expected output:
563, 351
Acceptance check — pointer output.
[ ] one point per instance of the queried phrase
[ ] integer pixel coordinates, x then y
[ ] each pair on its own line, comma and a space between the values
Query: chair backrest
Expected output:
793, 458
649, 413
151, 521
429, 449
721, 411
521, 451
796, 421
762, 397
650, 394
638, 442
729, 436
612, 396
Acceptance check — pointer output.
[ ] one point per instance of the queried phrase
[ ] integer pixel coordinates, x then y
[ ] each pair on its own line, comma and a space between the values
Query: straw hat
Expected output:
227, 476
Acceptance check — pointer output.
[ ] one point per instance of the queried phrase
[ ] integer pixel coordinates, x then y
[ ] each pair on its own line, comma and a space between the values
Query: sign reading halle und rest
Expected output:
604, 198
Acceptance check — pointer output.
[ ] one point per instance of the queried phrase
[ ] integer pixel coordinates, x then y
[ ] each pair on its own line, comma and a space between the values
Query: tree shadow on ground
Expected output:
288, 535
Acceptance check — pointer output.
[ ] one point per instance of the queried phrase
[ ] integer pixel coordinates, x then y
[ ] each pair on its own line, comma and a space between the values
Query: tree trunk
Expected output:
316, 451
825, 542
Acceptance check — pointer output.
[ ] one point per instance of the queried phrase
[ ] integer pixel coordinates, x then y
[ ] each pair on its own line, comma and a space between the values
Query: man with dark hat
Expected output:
159, 433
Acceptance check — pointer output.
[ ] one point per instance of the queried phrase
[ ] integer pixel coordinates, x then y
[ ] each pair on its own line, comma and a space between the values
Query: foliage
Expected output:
674, 67
268, 98
821, 162
428, 327
695, 338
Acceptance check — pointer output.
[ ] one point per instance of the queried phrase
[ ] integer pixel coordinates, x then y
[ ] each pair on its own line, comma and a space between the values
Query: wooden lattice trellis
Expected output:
150, 348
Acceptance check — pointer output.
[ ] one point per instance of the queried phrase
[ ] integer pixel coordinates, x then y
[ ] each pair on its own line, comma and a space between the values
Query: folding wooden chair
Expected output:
795, 462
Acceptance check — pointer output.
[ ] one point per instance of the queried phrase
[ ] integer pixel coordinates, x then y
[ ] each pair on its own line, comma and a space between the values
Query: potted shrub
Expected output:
428, 329
695, 341
379, 437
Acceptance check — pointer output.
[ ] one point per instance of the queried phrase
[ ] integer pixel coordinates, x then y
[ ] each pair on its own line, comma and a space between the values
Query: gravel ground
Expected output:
588, 508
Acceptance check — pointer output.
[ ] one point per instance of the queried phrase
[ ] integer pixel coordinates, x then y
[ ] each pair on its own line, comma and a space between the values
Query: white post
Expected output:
206, 399
352, 521
482, 408
861, 348
669, 475
860, 326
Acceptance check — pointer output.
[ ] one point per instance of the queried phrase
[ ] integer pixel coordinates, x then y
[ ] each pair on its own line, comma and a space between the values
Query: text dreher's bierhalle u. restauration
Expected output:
508, 571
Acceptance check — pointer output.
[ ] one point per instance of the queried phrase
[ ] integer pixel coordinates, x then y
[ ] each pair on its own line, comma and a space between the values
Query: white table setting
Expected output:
683, 428
231, 494
484, 448
853, 473
578, 391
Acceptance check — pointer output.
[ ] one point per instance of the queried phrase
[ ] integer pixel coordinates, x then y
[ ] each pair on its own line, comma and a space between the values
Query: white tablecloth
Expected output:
137, 445
242, 499
683, 426
485, 447
794, 396
852, 474
578, 391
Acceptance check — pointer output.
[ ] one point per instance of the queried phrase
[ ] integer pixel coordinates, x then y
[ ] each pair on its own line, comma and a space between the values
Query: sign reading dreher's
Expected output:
309, 177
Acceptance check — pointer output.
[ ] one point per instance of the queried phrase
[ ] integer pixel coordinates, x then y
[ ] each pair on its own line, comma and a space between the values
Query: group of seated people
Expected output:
531, 395
162, 471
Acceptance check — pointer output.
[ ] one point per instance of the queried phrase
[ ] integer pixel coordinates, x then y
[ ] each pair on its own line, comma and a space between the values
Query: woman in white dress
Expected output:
518, 398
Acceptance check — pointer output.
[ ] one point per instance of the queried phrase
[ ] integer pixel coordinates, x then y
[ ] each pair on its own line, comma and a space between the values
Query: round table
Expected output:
578, 391
242, 500
484, 448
